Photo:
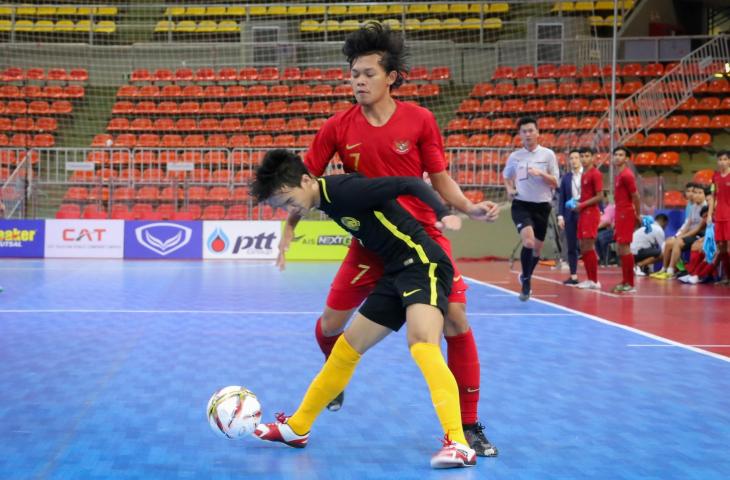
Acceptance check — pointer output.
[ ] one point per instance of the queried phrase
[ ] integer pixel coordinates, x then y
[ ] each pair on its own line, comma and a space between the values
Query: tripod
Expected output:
553, 233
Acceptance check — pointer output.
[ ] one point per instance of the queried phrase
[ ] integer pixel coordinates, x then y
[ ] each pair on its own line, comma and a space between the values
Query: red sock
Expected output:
694, 262
590, 261
325, 343
463, 362
705, 269
627, 266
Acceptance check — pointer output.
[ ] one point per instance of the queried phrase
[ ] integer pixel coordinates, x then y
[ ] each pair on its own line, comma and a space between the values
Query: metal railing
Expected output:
14, 191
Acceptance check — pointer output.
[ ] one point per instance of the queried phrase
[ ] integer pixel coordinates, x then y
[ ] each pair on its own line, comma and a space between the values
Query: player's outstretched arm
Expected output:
452, 193
286, 239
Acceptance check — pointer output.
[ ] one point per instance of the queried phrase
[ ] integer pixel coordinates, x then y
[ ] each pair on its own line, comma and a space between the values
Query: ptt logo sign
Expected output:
247, 240
84, 238
163, 240
22, 238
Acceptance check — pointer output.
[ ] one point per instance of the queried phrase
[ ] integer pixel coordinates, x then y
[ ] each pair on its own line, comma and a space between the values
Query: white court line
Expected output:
247, 312
558, 282
614, 324
673, 346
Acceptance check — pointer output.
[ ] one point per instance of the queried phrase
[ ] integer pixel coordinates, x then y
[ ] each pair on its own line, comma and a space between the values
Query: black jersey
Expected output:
366, 208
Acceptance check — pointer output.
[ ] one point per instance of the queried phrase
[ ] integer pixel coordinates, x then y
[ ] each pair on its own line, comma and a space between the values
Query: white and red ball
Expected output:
233, 412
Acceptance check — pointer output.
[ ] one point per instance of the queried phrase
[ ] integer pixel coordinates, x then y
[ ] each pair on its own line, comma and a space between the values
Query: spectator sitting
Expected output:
685, 237
698, 270
647, 246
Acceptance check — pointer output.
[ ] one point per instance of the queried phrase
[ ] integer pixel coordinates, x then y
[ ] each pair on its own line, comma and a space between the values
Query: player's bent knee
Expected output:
334, 321
456, 321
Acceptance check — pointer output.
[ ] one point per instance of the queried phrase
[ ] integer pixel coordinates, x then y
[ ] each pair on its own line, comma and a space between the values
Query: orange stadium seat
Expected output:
674, 199
237, 212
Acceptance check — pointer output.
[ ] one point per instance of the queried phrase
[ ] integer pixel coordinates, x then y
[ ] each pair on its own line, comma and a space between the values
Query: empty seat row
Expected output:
12, 156
411, 24
154, 194
17, 74
36, 107
61, 26
36, 91
146, 211
418, 8
682, 122
224, 27
544, 123
127, 140
590, 70
474, 106
28, 124
588, 7
590, 88
23, 140
276, 124
228, 108
677, 140
56, 11
152, 157
231, 74
161, 176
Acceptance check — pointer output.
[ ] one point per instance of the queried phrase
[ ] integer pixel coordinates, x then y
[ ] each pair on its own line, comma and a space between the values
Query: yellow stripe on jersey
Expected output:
324, 190
432, 277
402, 236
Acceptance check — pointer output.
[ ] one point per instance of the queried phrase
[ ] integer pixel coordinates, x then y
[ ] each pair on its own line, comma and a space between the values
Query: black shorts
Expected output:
645, 253
531, 214
688, 241
429, 284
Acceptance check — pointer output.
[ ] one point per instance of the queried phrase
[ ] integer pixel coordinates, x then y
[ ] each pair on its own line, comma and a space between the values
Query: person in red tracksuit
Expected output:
381, 136
589, 216
628, 216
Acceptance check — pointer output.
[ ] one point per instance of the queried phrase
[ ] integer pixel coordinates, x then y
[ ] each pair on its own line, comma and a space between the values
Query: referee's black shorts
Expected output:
531, 214
428, 283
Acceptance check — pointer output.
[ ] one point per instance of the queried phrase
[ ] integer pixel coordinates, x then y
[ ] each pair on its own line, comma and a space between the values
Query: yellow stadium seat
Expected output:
64, 11
563, 7
6, 11
24, 25
25, 10
459, 8
628, 4
583, 6
277, 10
595, 21
43, 11
417, 8
330, 26
296, 10
5, 26
378, 9
499, 8
430, 24
337, 10
477, 7
608, 22
471, 23
493, 23
105, 26
309, 26
186, 26
85, 11
357, 10
83, 26
316, 10
604, 6
195, 11
228, 26
43, 26
257, 11
393, 23
107, 11
64, 26
206, 26
164, 26
349, 25
216, 11
439, 8
395, 9
236, 11
413, 24
175, 11
451, 24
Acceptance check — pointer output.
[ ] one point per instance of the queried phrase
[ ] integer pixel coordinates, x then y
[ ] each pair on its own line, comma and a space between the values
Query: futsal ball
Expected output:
233, 412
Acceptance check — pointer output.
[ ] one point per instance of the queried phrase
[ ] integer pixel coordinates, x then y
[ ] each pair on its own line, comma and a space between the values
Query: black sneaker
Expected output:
571, 282
337, 402
525, 293
478, 441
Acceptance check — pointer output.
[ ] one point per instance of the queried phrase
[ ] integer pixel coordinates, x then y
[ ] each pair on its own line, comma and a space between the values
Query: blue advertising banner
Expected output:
22, 238
163, 240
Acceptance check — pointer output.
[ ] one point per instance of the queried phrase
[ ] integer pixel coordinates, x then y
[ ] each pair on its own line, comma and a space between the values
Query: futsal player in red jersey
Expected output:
589, 216
628, 215
719, 210
381, 136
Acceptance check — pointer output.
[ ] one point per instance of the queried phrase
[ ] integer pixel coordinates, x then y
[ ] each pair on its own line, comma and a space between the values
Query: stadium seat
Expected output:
674, 199
668, 159
645, 159
237, 212
70, 211
700, 140
213, 212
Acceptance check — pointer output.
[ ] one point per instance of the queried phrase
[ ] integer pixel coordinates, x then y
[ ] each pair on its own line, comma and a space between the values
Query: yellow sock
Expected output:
329, 382
444, 391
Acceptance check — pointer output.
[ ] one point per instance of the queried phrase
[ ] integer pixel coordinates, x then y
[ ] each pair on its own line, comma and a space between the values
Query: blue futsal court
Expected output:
107, 367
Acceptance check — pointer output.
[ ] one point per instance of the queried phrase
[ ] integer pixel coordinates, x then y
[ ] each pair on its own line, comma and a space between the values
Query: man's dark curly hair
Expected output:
373, 37
279, 168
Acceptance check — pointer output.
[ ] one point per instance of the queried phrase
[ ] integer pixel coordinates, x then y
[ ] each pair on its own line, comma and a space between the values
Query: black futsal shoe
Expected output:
337, 402
525, 293
474, 434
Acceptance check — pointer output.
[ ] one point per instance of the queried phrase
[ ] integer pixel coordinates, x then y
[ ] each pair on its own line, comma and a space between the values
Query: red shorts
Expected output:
588, 221
361, 269
623, 231
722, 230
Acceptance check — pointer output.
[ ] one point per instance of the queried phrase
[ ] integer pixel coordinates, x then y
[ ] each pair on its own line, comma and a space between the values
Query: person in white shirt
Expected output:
647, 246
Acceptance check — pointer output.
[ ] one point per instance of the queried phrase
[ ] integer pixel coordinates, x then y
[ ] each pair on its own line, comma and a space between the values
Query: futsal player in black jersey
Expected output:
414, 289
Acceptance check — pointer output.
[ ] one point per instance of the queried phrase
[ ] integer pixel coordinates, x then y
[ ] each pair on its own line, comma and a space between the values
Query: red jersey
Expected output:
591, 184
721, 197
409, 144
624, 188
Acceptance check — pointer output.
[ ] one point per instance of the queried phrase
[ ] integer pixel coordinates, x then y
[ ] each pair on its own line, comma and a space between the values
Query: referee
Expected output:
530, 176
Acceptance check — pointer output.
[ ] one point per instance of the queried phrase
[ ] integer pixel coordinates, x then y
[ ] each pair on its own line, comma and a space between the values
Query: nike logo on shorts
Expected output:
408, 294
